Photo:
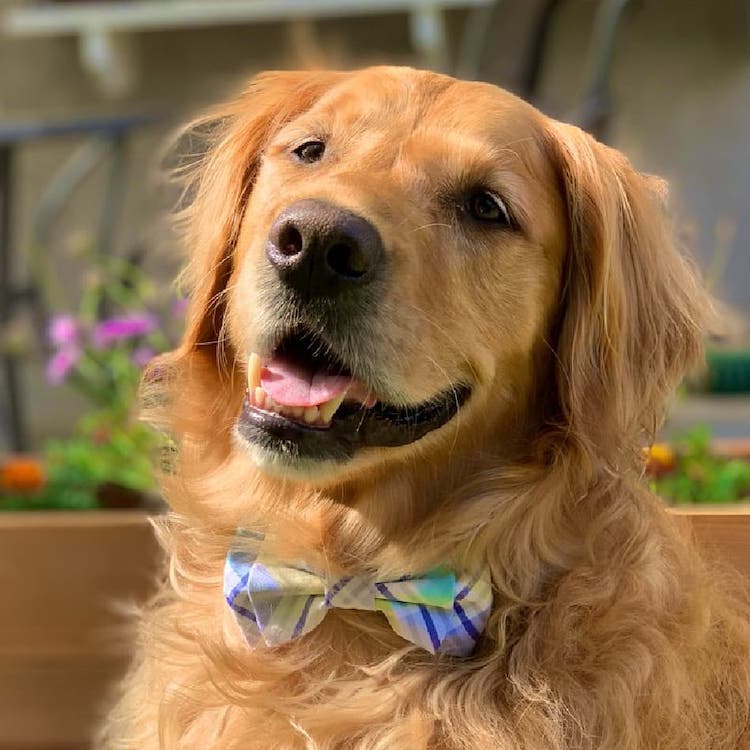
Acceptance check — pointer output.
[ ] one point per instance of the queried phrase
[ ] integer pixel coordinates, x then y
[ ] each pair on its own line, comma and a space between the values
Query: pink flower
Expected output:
121, 328
179, 306
142, 355
63, 331
61, 364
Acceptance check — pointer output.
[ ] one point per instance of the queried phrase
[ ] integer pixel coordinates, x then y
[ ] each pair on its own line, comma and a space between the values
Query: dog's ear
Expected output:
633, 308
229, 141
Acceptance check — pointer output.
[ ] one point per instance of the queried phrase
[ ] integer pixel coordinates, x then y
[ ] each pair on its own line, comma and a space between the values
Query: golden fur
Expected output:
607, 631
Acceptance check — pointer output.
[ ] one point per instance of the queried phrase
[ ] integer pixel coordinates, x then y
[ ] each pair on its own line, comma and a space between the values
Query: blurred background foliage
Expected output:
99, 350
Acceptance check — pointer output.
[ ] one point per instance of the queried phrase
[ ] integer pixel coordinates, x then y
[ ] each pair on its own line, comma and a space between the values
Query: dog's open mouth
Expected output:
304, 402
304, 382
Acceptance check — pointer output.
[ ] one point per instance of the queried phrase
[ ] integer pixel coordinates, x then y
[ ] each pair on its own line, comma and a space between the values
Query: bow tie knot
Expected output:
438, 610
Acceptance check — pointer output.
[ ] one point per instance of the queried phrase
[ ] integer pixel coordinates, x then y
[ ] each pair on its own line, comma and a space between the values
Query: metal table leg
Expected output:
429, 37
474, 40
596, 109
538, 49
10, 365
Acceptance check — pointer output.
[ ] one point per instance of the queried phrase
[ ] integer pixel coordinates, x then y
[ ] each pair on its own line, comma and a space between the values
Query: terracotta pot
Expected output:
113, 496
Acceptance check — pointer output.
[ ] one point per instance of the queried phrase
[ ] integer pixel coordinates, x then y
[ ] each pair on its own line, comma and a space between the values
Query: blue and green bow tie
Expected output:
439, 611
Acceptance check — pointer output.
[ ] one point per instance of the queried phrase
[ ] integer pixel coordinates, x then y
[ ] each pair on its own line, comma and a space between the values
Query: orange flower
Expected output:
660, 459
21, 474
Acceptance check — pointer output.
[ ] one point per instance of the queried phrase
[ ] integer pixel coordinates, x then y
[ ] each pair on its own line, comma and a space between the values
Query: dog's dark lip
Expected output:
352, 428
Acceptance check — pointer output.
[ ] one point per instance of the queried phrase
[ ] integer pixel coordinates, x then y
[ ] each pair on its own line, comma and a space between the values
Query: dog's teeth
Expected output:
329, 408
310, 415
253, 372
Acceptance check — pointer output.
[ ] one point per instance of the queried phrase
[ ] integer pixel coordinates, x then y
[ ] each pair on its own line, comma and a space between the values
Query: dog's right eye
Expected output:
485, 206
310, 151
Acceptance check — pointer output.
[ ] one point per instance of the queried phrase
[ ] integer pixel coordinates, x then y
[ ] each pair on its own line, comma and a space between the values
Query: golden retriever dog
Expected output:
431, 329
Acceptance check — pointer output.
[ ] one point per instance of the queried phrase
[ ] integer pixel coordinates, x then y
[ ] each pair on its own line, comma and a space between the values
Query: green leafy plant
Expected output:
696, 474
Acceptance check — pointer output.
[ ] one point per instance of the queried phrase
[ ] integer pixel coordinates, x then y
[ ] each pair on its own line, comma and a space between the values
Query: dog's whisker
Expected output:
430, 226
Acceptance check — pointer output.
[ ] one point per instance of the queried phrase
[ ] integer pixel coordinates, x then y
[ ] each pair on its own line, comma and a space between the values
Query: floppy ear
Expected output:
633, 308
231, 140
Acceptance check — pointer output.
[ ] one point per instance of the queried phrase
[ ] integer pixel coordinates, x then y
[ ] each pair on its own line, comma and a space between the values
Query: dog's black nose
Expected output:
320, 249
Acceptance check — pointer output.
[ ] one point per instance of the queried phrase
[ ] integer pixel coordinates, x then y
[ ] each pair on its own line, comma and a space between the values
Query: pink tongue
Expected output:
291, 384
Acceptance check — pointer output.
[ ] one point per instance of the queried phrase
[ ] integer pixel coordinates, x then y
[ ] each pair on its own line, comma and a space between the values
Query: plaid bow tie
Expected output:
439, 611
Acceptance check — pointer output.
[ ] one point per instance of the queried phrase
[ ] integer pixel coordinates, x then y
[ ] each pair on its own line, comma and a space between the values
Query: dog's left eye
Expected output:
483, 205
310, 151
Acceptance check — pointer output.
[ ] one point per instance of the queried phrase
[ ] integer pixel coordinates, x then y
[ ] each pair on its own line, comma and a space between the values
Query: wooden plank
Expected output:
56, 702
723, 531
73, 519
63, 577
96, 558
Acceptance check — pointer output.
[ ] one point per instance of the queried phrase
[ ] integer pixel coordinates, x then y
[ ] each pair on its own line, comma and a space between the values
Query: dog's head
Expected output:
394, 260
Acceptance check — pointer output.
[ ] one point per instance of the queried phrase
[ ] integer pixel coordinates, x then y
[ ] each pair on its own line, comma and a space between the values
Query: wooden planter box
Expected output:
64, 577
723, 531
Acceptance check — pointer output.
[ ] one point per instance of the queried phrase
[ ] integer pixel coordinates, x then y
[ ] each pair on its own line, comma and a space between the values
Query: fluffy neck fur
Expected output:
605, 631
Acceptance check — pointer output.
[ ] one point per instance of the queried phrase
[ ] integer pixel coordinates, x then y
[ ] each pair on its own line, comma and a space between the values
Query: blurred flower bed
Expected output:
122, 322
690, 471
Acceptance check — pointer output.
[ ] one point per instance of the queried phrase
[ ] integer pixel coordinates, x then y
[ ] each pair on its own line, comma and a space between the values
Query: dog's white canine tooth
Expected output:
260, 397
329, 408
311, 414
253, 372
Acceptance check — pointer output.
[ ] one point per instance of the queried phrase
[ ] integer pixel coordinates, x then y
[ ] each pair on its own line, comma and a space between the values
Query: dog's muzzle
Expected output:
316, 387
